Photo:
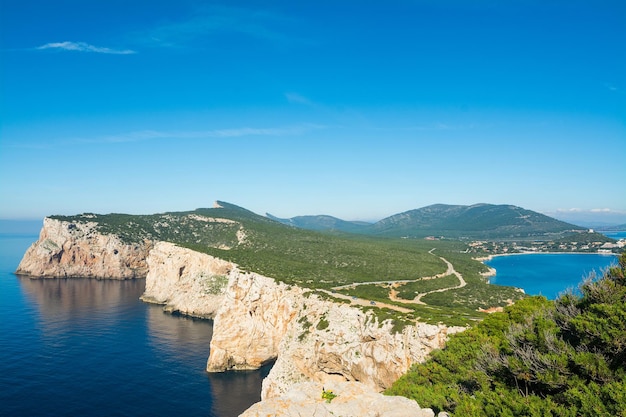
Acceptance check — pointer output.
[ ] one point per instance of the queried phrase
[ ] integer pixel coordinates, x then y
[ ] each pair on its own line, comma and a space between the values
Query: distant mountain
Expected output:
478, 221
323, 223
612, 228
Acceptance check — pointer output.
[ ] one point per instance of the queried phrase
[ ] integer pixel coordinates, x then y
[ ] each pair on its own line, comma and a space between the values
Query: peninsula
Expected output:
326, 308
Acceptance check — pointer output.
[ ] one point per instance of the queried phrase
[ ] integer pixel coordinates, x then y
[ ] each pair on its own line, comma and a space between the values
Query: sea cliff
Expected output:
185, 281
66, 250
311, 337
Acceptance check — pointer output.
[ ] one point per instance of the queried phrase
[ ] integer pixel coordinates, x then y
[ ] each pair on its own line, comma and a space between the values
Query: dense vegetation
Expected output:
537, 358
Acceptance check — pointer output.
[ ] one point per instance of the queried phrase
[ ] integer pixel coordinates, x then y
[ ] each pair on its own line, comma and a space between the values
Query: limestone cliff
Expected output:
348, 399
251, 322
333, 342
311, 339
257, 319
66, 249
185, 281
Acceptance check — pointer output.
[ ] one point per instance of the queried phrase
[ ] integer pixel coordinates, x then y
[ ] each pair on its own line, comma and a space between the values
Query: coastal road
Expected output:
396, 283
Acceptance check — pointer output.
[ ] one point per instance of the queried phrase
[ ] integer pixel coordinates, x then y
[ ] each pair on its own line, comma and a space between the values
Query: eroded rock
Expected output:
66, 249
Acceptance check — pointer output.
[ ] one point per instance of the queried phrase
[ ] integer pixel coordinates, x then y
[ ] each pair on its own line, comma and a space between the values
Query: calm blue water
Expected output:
547, 274
615, 235
85, 347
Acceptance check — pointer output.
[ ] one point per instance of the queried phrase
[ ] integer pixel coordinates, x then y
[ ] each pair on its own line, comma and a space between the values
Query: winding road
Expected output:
395, 284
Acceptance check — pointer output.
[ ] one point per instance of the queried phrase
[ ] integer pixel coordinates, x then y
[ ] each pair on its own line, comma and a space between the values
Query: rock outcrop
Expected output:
186, 281
347, 399
66, 249
252, 322
310, 338
336, 342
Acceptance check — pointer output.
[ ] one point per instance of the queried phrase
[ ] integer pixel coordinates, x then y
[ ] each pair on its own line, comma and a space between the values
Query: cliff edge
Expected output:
186, 281
66, 249
310, 338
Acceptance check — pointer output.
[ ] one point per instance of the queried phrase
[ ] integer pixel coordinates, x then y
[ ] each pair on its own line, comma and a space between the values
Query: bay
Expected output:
547, 274
91, 347
615, 235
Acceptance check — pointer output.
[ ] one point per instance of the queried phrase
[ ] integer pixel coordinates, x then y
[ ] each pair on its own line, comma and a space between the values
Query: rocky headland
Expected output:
77, 249
311, 337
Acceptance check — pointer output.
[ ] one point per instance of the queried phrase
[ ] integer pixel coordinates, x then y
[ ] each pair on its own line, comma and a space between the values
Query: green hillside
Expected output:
475, 222
323, 223
479, 221
323, 261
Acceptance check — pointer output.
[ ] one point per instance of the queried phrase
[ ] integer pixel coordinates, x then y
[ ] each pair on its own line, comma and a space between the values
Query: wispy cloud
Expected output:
145, 135
580, 210
84, 47
297, 99
151, 135
214, 20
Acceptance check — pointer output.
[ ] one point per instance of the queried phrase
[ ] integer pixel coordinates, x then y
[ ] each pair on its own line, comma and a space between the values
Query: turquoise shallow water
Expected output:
547, 274
86, 347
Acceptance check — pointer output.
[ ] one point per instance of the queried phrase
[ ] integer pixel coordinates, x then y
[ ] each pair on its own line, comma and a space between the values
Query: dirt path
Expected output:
393, 293
451, 271
367, 303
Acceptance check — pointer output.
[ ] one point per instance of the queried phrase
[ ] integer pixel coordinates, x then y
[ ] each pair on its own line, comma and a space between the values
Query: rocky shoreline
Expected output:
257, 320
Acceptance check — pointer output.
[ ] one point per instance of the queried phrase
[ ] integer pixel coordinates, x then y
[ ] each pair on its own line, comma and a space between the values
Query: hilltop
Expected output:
474, 222
323, 223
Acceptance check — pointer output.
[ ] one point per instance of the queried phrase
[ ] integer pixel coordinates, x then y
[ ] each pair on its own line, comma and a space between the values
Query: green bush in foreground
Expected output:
537, 358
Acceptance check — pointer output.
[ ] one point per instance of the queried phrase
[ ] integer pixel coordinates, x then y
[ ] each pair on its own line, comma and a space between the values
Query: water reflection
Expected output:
78, 302
236, 391
184, 337
179, 336
129, 349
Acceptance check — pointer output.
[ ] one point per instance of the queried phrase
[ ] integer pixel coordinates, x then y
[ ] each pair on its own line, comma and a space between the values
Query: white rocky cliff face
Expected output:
349, 399
66, 249
330, 342
186, 281
251, 322
311, 339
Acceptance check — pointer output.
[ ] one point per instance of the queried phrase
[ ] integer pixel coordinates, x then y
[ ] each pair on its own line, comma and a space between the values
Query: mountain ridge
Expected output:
476, 221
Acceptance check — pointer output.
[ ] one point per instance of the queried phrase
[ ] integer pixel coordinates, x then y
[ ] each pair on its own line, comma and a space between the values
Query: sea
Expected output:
88, 347
548, 274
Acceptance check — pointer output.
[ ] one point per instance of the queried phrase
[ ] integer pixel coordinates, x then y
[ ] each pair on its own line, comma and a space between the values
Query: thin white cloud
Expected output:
569, 210
211, 20
148, 135
576, 210
84, 47
203, 134
297, 99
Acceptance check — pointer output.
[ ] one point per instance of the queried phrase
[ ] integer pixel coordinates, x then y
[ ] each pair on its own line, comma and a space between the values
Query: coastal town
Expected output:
582, 245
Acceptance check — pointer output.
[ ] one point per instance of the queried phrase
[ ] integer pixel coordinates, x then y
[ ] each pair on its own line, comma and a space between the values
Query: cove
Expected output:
547, 274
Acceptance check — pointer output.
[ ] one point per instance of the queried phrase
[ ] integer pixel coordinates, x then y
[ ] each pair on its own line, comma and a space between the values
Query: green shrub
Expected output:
538, 358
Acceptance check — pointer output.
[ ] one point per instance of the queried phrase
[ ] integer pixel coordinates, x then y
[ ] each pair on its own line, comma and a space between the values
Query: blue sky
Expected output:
359, 110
